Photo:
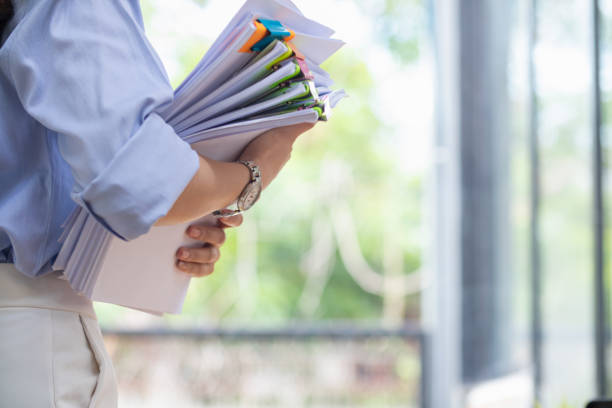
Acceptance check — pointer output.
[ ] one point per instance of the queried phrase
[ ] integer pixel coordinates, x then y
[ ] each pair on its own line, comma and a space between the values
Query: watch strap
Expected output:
255, 178
255, 183
253, 169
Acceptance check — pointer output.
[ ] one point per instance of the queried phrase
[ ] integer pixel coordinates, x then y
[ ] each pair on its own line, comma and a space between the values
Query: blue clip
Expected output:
275, 31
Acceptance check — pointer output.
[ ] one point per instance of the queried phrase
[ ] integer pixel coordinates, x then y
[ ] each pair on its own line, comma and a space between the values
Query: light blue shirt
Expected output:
79, 88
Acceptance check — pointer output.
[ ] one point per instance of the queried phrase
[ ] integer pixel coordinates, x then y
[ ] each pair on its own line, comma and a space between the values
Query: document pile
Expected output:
262, 72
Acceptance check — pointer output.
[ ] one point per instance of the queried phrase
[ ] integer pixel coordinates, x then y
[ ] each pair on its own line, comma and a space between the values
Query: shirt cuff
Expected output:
143, 180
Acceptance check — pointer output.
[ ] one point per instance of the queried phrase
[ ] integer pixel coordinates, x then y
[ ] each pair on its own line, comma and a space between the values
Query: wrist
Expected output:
244, 176
250, 194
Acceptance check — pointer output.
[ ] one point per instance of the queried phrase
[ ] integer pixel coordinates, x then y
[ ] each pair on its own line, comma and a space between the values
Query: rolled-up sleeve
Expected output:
85, 70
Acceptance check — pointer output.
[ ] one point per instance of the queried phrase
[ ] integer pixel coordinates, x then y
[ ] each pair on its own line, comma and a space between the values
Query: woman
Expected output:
79, 88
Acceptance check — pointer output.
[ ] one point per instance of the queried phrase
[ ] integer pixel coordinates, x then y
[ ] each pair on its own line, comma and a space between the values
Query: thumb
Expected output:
234, 221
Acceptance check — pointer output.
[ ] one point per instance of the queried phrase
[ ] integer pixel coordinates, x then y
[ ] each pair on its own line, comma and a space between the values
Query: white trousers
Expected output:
51, 348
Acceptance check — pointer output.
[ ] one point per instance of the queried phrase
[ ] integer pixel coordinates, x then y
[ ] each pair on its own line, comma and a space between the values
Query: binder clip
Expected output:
313, 90
275, 30
323, 109
326, 110
301, 60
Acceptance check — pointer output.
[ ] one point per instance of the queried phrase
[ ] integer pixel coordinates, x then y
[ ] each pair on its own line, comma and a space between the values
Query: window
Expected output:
317, 296
439, 243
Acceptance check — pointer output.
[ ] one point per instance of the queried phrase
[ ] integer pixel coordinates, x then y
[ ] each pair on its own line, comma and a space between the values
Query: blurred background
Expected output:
439, 243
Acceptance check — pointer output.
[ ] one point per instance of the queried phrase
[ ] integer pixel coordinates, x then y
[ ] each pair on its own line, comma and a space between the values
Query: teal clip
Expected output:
275, 31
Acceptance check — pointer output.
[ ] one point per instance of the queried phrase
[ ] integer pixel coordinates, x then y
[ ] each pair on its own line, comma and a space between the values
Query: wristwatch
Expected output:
249, 195
252, 191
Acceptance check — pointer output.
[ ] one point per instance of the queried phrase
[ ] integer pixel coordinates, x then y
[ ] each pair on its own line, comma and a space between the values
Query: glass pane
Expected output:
340, 235
347, 212
520, 184
563, 63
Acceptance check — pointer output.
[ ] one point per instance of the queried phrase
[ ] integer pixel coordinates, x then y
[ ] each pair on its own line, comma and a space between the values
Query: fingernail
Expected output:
194, 232
182, 265
183, 253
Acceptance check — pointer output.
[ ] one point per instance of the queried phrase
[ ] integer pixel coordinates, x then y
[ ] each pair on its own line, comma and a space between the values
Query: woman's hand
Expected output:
271, 150
200, 261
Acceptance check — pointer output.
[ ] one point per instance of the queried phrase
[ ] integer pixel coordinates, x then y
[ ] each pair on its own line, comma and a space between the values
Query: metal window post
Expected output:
601, 323
486, 272
534, 238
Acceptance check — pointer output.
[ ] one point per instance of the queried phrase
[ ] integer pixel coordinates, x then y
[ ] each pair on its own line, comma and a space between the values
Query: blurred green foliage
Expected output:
403, 25
385, 202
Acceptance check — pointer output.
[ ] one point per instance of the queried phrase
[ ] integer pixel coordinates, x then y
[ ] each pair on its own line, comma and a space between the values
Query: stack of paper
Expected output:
262, 72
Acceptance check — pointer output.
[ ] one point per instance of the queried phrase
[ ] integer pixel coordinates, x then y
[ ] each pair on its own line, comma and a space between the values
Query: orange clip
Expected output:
290, 35
260, 33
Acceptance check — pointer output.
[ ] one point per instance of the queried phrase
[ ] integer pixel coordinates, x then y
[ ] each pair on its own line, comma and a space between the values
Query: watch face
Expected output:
250, 195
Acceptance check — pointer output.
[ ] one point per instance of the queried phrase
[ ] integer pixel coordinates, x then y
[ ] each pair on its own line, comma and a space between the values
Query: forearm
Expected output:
215, 185
218, 184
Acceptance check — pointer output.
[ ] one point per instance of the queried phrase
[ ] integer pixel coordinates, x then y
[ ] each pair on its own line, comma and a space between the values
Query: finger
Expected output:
207, 234
196, 269
234, 221
206, 254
